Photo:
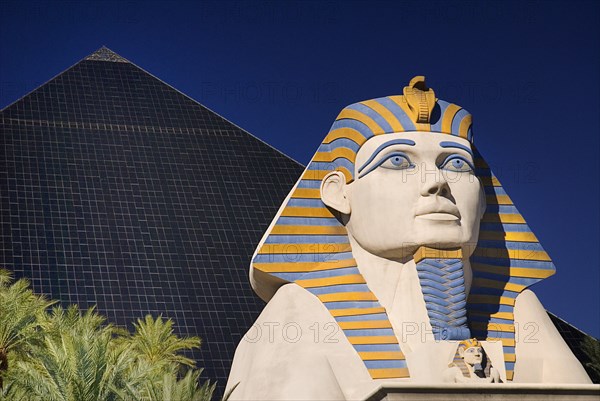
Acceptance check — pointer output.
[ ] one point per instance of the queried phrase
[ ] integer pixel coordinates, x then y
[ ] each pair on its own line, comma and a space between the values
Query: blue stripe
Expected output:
308, 221
369, 332
332, 289
304, 257
360, 318
305, 202
331, 166
501, 209
306, 239
332, 273
518, 228
352, 304
458, 117
354, 124
376, 347
529, 264
385, 126
495, 191
481, 318
385, 364
489, 308
436, 115
405, 120
339, 143
314, 184
291, 277
493, 291
524, 247
510, 365
502, 278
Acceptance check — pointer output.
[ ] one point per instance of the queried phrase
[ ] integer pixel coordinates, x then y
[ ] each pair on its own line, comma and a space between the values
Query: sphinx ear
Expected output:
333, 192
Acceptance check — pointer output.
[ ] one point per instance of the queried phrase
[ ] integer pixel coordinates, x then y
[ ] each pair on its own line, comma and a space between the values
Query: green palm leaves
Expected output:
73, 355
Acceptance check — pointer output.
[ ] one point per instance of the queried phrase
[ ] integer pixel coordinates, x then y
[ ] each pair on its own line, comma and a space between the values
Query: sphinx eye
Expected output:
456, 163
396, 161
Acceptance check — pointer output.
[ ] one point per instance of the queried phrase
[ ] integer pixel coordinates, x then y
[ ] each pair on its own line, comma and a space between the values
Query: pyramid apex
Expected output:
105, 54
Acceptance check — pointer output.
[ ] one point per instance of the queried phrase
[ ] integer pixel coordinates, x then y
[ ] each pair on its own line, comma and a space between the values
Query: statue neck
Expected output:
397, 286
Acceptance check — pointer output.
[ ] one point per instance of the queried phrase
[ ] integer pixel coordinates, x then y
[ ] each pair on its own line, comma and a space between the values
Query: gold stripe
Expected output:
328, 157
506, 342
498, 315
308, 230
508, 236
345, 132
448, 116
486, 283
355, 311
510, 374
299, 267
303, 248
463, 128
490, 299
498, 200
523, 254
503, 327
325, 281
307, 193
386, 114
513, 271
294, 211
366, 324
363, 118
360, 340
318, 175
490, 181
510, 357
347, 296
381, 355
503, 218
426, 252
389, 373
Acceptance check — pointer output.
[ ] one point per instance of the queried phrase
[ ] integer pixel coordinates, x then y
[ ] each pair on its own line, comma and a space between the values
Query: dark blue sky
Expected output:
527, 71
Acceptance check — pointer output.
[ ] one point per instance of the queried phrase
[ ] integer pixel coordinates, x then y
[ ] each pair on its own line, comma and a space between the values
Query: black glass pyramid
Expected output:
119, 191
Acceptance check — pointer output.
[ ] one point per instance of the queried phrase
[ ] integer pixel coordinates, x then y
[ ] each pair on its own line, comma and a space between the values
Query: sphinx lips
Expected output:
438, 211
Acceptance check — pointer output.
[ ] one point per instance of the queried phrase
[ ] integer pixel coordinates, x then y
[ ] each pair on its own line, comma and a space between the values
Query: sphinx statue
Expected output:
468, 365
396, 245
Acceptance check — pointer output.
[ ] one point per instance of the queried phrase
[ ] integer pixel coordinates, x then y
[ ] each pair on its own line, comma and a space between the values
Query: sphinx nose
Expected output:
434, 183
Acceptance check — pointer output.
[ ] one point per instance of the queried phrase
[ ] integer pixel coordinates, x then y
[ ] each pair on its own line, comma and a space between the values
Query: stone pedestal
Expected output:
488, 392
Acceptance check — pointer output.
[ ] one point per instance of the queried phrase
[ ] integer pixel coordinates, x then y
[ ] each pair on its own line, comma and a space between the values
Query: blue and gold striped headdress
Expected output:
307, 245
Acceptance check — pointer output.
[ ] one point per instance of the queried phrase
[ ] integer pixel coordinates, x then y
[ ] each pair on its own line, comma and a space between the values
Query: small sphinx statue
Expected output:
396, 244
467, 365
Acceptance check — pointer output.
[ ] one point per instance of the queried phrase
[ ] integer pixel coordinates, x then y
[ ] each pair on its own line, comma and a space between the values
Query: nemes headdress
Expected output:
306, 244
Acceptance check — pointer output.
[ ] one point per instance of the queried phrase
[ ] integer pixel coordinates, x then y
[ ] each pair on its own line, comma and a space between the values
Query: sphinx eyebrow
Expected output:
449, 144
385, 145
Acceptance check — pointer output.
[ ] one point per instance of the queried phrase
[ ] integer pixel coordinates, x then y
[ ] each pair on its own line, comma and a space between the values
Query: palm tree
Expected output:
20, 313
154, 343
168, 388
70, 355
78, 360
154, 376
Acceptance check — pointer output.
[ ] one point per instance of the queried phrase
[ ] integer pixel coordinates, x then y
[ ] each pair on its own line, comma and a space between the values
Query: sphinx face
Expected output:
473, 355
413, 189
